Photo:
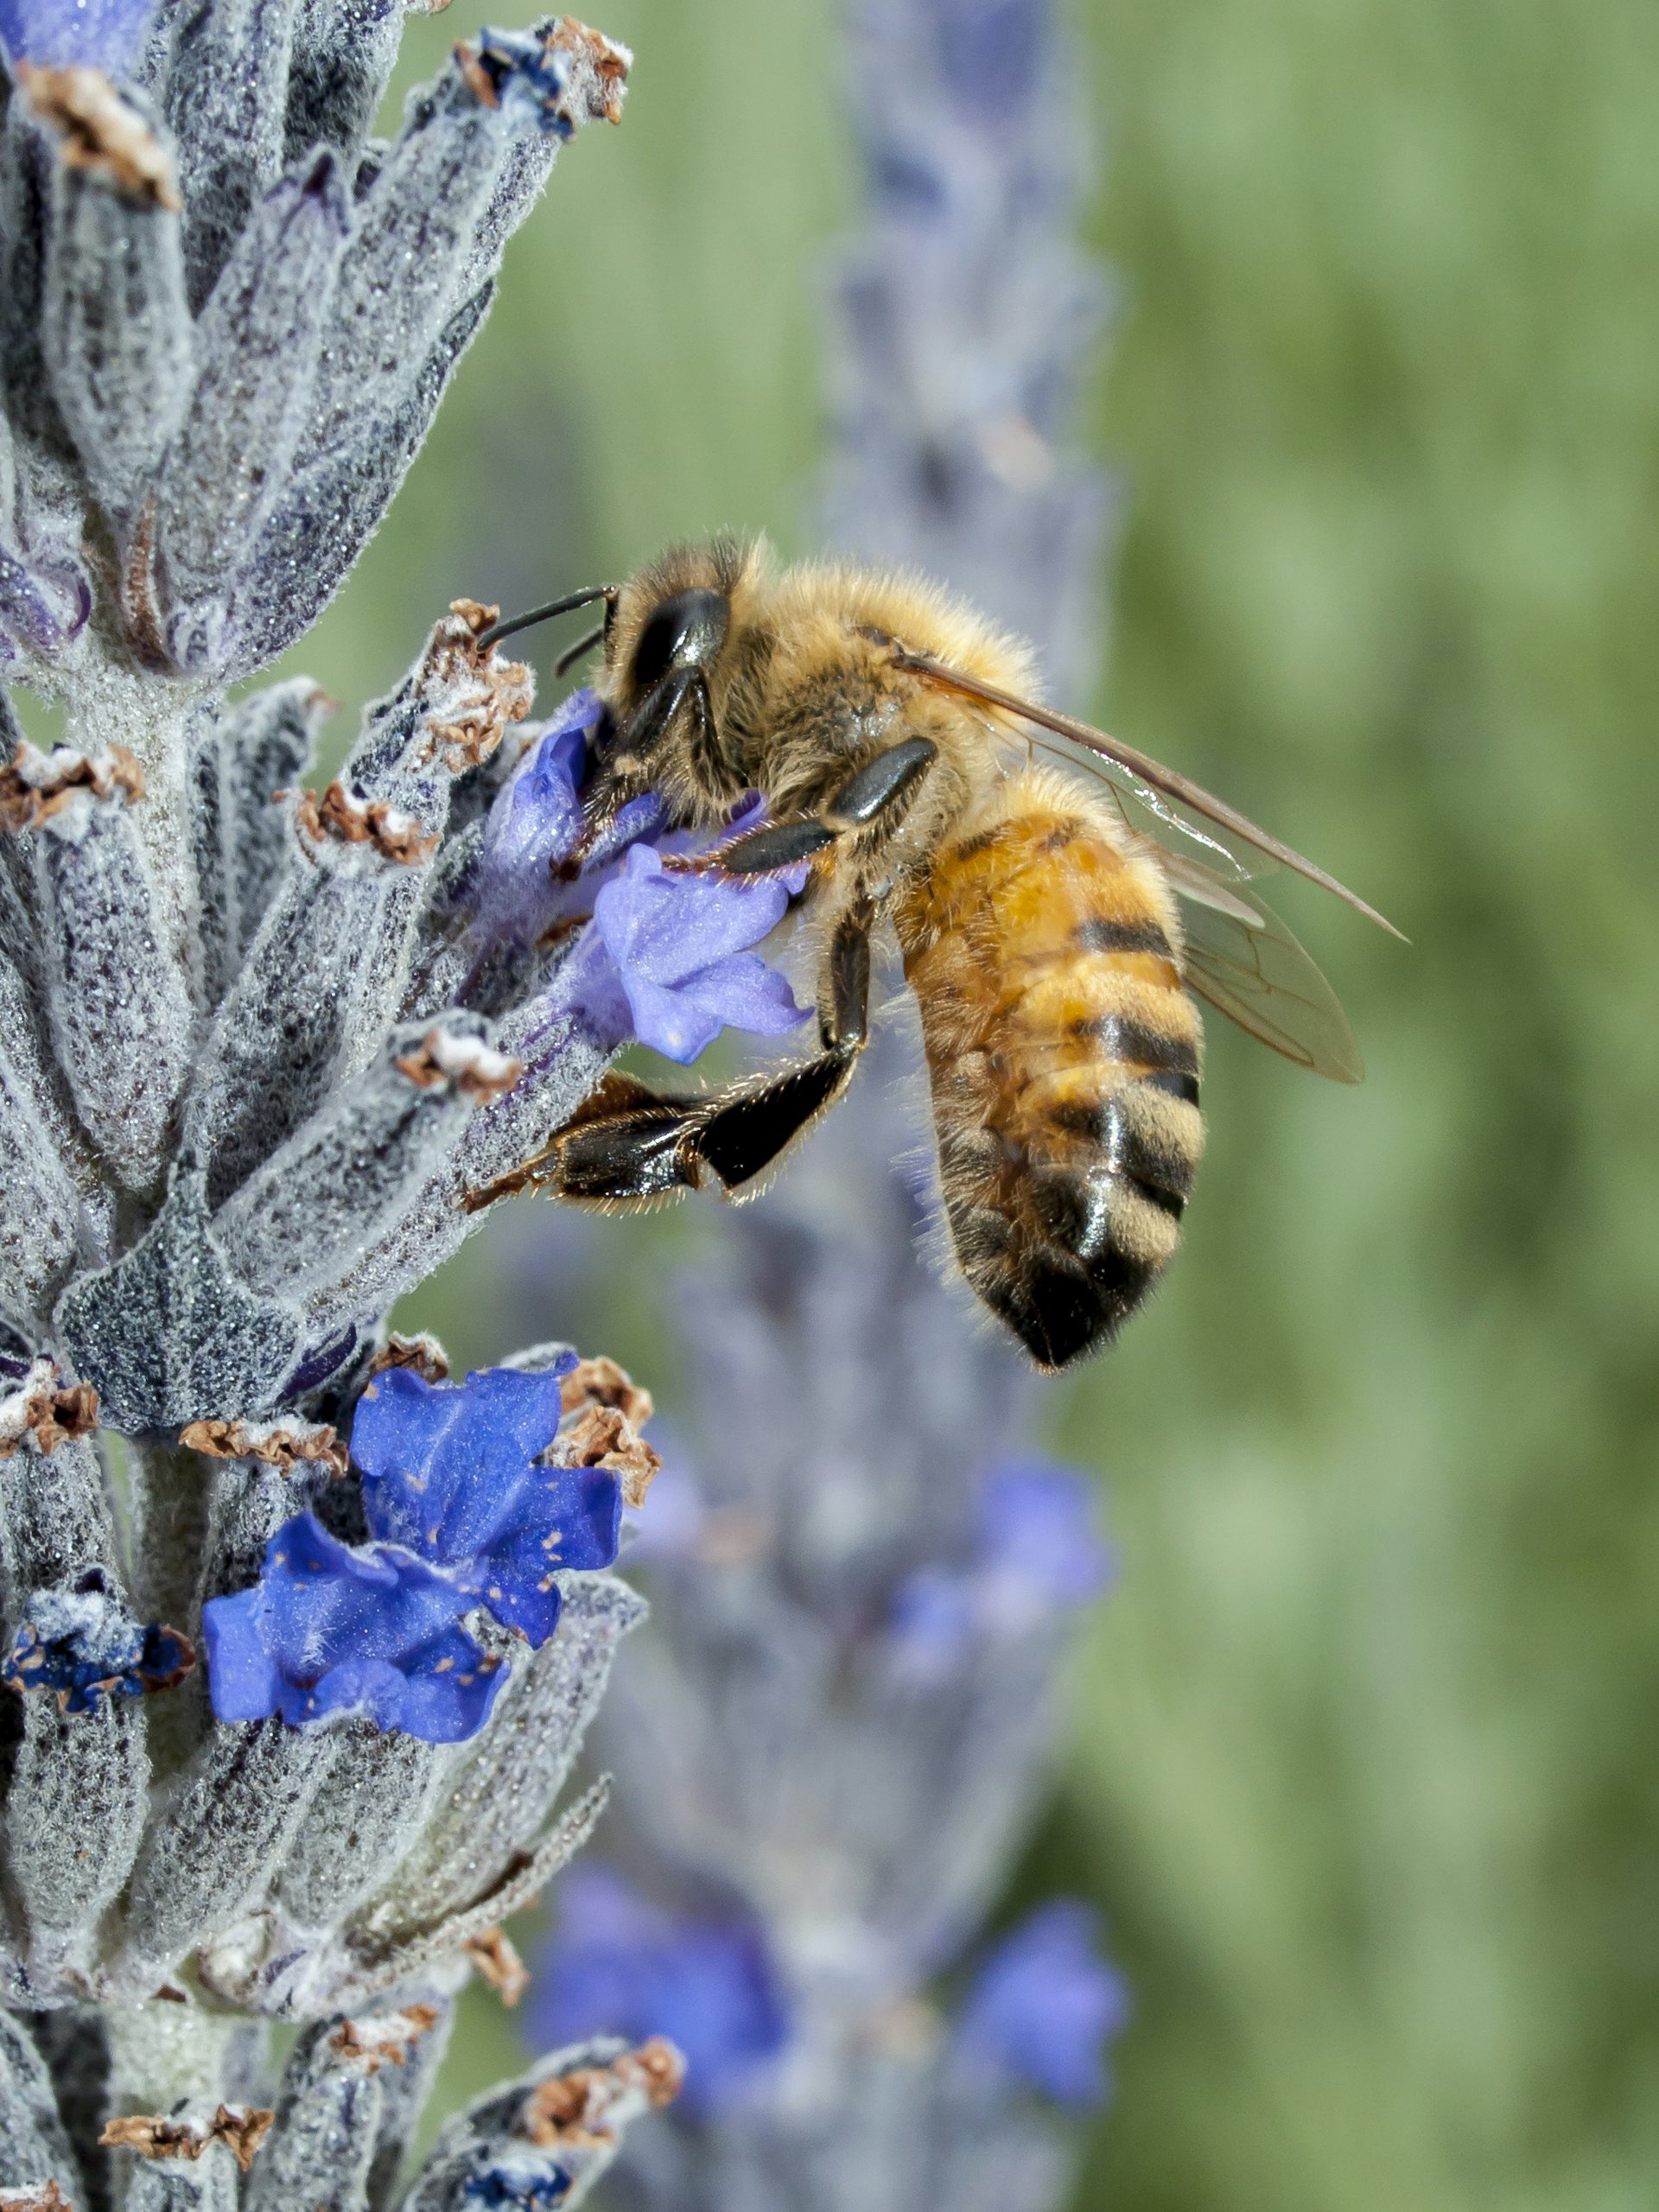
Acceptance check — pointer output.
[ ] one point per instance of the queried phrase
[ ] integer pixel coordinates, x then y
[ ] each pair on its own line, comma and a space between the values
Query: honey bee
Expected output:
1053, 926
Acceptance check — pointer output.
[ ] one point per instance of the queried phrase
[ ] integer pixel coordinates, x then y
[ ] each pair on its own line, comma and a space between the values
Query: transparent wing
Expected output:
1243, 961
1154, 800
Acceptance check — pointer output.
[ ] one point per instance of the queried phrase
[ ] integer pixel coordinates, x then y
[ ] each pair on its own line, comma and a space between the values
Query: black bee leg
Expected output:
875, 795
626, 1146
640, 1147
629, 1146
882, 787
680, 688
750, 1130
763, 852
844, 1002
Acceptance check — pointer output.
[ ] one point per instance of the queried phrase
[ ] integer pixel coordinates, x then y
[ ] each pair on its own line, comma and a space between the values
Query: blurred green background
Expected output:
1361, 1770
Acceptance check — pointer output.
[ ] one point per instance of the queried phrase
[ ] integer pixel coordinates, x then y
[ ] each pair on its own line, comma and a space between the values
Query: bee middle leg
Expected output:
873, 797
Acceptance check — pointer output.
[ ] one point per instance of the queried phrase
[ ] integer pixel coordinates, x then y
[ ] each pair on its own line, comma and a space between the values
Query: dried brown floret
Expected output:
603, 1436
601, 70
498, 1962
473, 1068
350, 821
385, 2038
153, 2135
598, 74
274, 1443
39, 784
487, 692
42, 1407
44, 2197
99, 131
573, 2109
423, 1353
606, 1383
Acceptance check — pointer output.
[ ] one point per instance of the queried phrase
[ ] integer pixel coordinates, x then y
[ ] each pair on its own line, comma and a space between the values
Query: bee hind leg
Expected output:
750, 1130
626, 1146
631, 1147
641, 1148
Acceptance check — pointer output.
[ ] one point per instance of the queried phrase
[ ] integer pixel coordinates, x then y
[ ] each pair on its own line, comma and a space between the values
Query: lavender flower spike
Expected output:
289, 1734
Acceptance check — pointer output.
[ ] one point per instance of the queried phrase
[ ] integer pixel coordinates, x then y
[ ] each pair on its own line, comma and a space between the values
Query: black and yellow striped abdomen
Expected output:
1064, 1057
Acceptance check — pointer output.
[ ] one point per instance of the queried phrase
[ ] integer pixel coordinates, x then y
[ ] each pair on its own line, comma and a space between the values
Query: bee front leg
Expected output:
681, 690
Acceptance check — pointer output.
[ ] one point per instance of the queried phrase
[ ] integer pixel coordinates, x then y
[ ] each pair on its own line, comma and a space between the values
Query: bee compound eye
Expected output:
685, 631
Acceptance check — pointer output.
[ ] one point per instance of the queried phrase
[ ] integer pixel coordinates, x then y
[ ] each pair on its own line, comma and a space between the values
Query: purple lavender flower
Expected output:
99, 34
620, 1962
1036, 1551
523, 2186
84, 1645
455, 1473
44, 602
1037, 1538
331, 1628
1043, 2008
532, 826
668, 962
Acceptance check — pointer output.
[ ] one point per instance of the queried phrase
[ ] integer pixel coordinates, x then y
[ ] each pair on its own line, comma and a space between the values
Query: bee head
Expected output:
673, 641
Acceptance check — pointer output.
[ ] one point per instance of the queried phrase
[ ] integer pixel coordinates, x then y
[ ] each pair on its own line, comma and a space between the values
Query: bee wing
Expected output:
1243, 960
1235, 847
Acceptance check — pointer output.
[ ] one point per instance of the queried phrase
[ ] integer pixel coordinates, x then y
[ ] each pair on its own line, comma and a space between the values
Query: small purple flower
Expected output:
1043, 2009
523, 2181
332, 1628
1037, 1551
43, 604
619, 1964
84, 1645
1038, 1540
532, 826
453, 1472
932, 1626
668, 961
101, 33
523, 67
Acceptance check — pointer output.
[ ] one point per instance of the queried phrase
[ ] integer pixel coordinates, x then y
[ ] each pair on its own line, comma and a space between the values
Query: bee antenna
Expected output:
514, 623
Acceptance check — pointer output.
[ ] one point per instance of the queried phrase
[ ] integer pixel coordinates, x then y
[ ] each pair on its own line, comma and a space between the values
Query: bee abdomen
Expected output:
1064, 1059
1080, 1211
